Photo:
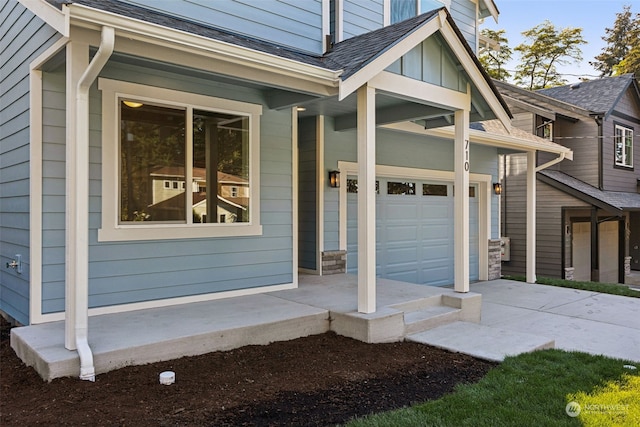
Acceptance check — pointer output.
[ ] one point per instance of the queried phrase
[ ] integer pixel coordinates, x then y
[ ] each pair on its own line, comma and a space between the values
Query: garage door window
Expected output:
401, 188
435, 190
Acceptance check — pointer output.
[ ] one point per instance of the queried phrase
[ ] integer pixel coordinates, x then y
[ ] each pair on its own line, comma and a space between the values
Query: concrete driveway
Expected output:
577, 320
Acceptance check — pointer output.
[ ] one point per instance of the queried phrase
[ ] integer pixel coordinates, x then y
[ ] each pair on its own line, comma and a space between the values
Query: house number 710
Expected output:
466, 156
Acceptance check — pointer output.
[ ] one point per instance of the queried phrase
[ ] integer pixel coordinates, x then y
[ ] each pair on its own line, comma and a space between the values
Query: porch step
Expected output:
419, 304
429, 318
481, 341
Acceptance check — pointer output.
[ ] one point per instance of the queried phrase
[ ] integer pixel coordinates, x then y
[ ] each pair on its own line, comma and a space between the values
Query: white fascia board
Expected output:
54, 17
484, 138
83, 16
492, 8
475, 74
375, 67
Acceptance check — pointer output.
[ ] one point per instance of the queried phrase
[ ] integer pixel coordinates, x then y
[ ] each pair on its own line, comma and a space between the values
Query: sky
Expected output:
593, 16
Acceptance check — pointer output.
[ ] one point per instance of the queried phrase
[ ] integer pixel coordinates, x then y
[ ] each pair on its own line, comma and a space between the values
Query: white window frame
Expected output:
112, 229
625, 130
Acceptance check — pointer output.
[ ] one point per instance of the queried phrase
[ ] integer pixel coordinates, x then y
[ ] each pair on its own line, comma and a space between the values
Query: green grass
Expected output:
604, 288
532, 389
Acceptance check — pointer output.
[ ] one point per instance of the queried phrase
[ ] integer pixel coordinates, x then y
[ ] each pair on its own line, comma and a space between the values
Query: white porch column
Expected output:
531, 217
76, 257
461, 201
366, 199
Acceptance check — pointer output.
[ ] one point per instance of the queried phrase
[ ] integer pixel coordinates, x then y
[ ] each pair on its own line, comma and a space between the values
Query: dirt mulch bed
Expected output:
314, 381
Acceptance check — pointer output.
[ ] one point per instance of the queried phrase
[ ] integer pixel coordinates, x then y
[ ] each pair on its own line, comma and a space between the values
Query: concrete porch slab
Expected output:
147, 336
481, 341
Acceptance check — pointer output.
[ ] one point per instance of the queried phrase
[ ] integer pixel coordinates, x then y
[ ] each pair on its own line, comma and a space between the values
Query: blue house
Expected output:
161, 153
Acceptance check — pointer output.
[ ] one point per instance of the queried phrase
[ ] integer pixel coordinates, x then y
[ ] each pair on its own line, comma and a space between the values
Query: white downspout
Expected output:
107, 42
552, 162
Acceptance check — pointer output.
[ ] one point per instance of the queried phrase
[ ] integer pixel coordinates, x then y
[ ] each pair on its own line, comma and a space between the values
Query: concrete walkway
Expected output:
575, 320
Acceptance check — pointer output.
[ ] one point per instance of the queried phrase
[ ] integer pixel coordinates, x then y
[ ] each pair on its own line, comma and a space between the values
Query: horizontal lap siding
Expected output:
22, 38
582, 139
464, 13
615, 178
127, 272
297, 24
549, 204
362, 16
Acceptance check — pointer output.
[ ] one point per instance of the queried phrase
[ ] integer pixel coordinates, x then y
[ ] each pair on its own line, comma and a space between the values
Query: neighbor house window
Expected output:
623, 143
197, 144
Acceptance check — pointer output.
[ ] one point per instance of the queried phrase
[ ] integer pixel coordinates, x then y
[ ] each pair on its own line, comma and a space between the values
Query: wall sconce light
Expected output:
334, 179
497, 188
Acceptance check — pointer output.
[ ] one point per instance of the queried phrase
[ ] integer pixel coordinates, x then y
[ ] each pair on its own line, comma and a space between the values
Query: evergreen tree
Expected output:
494, 60
620, 40
544, 48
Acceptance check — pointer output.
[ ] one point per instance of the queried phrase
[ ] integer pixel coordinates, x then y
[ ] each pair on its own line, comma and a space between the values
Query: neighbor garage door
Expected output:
414, 231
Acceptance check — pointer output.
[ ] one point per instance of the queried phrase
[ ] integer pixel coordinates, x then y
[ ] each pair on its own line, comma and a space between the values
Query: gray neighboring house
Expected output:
588, 210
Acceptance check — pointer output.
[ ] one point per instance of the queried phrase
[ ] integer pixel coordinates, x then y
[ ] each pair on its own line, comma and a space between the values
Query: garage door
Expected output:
414, 231
608, 247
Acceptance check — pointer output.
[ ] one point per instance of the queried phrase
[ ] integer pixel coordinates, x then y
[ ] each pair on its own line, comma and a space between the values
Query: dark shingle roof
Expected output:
615, 201
355, 52
599, 96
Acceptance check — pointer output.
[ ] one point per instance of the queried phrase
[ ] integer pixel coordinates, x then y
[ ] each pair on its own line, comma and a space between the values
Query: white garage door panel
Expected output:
416, 243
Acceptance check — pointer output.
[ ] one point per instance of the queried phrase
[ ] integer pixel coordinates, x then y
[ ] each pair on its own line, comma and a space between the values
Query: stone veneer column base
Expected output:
568, 273
334, 262
495, 259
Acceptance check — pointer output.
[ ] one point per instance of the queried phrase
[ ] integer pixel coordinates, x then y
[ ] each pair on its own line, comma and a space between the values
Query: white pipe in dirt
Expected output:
107, 43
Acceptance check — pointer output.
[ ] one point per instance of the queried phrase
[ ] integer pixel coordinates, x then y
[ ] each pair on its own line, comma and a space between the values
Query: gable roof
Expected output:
351, 59
599, 96
611, 201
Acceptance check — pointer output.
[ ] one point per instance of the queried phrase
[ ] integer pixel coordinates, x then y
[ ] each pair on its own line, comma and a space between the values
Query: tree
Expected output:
546, 47
620, 40
494, 60
631, 61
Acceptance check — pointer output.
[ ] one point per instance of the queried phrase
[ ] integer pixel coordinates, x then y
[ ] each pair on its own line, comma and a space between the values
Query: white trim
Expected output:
320, 178
483, 181
366, 155
375, 67
111, 229
339, 20
475, 74
124, 308
418, 90
531, 218
294, 194
484, 138
154, 34
386, 11
54, 17
625, 130
35, 179
326, 23
461, 169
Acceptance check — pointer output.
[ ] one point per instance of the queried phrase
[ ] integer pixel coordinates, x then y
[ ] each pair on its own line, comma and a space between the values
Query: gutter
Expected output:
107, 43
552, 162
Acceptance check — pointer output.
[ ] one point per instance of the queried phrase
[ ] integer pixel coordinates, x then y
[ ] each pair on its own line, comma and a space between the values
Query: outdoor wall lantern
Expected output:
334, 179
497, 188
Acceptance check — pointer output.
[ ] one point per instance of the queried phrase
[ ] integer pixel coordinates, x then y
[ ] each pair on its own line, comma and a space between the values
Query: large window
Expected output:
623, 143
183, 164
405, 9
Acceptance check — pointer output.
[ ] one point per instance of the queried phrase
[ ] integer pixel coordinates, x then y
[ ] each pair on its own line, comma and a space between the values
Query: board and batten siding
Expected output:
549, 230
307, 194
136, 271
403, 150
627, 114
361, 16
23, 37
293, 23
